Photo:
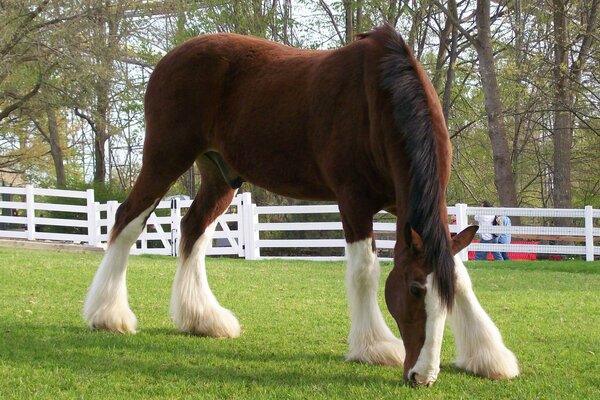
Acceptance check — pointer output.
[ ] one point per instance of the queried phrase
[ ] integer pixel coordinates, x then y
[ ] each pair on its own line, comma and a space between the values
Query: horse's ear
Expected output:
462, 239
412, 239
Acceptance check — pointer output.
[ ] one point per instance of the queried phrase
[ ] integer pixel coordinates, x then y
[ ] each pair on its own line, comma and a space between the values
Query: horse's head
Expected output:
413, 301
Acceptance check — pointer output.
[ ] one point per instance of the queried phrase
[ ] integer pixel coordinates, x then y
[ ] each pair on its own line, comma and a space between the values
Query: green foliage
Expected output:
295, 325
257, 18
105, 192
586, 179
82, 53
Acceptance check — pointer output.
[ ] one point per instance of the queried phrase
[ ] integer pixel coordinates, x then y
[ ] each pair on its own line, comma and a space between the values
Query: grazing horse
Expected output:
360, 125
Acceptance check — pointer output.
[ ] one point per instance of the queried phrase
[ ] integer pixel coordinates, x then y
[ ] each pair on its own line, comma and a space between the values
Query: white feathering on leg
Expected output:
106, 305
370, 339
479, 345
194, 308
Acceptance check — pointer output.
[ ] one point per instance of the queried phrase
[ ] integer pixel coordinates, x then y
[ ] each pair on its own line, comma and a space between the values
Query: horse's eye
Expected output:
417, 289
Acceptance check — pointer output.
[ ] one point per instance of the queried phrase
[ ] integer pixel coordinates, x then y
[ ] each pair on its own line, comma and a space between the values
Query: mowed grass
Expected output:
295, 324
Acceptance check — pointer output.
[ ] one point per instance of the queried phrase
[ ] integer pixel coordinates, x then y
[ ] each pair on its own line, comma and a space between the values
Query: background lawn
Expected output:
295, 324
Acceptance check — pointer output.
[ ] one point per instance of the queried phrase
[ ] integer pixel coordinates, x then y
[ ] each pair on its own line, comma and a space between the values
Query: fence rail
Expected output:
301, 231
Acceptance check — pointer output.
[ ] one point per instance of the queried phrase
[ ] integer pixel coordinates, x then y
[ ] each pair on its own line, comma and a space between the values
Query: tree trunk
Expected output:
518, 117
108, 36
504, 179
566, 79
563, 133
358, 23
448, 36
349, 21
417, 19
287, 14
55, 148
101, 132
392, 11
451, 72
441, 55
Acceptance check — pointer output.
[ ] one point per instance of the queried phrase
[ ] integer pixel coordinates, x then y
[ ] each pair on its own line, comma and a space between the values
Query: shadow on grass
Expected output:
167, 355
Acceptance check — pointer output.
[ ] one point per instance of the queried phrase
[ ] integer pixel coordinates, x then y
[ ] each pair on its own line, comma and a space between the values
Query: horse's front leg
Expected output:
479, 345
370, 339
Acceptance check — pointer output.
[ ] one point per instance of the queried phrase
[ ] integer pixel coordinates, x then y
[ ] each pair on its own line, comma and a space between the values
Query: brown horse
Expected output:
360, 125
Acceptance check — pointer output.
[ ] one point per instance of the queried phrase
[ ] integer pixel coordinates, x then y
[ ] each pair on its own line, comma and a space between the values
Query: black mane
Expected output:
413, 120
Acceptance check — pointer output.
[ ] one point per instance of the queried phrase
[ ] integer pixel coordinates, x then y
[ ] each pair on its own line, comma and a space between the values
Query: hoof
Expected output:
217, 323
386, 352
417, 379
497, 364
113, 320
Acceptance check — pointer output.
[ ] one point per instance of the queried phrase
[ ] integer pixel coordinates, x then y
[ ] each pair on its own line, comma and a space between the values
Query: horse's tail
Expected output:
418, 118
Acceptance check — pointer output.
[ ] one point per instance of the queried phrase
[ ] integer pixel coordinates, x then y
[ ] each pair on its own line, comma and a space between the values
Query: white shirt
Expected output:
484, 220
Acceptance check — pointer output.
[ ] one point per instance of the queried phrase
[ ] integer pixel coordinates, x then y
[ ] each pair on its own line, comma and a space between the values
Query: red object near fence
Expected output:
511, 255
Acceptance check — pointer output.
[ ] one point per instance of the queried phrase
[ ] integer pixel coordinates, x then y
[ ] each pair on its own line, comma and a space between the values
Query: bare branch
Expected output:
136, 61
18, 35
332, 18
577, 67
456, 23
6, 112
87, 118
40, 129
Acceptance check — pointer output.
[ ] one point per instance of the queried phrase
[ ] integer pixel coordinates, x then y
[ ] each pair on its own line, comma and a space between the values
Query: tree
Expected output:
107, 29
20, 79
482, 43
50, 132
567, 79
34, 36
518, 82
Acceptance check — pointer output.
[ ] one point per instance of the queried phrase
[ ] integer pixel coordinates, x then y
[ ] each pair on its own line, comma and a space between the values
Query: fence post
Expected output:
175, 226
589, 233
240, 226
111, 212
255, 233
462, 222
98, 220
249, 225
91, 218
30, 206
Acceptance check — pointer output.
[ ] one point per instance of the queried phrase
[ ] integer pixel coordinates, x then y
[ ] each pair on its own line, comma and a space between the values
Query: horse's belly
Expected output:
279, 172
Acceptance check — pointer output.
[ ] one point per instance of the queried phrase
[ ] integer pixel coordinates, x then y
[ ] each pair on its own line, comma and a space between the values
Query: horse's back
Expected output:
275, 113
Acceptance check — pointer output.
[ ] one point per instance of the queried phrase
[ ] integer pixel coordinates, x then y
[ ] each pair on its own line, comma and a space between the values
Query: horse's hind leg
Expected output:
194, 308
106, 305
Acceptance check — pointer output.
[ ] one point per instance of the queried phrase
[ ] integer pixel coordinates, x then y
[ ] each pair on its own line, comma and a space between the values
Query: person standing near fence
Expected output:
483, 221
504, 237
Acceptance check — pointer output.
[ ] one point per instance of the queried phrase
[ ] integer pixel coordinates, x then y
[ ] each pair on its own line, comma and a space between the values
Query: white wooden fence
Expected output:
247, 230
23, 210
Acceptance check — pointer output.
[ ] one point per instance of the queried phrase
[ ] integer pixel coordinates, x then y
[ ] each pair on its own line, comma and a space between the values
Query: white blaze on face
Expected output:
427, 367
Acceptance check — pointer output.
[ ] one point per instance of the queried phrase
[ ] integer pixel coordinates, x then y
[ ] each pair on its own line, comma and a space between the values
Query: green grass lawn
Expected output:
295, 323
